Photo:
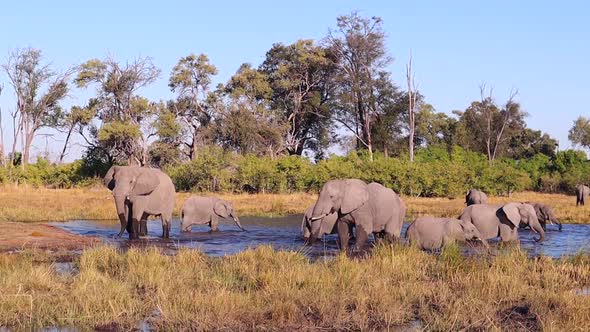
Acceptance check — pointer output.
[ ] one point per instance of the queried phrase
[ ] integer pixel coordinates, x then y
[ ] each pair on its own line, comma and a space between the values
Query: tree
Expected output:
300, 78
529, 142
359, 46
78, 117
121, 110
248, 124
433, 128
487, 128
412, 98
190, 79
580, 132
164, 150
39, 91
390, 119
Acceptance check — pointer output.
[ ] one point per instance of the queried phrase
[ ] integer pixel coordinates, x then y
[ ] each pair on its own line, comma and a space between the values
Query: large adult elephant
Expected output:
198, 210
502, 220
582, 193
370, 208
475, 196
140, 192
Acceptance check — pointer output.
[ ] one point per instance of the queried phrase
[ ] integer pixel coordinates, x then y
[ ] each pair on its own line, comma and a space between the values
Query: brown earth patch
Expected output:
15, 236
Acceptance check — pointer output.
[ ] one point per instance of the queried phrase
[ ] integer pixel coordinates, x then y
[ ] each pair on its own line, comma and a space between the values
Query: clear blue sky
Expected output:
543, 50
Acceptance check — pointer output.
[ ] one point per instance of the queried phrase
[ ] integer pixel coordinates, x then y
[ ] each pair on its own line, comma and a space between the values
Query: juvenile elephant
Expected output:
140, 192
198, 210
502, 220
369, 208
430, 233
544, 214
582, 193
475, 196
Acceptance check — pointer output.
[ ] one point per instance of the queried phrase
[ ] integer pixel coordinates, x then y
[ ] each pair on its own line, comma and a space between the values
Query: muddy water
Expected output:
284, 234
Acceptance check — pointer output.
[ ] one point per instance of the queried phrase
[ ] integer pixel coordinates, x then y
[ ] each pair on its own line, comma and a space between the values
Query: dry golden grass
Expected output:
29, 204
263, 289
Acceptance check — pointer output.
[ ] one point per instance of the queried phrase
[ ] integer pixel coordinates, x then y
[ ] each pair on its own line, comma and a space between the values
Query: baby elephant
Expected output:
544, 214
430, 233
206, 210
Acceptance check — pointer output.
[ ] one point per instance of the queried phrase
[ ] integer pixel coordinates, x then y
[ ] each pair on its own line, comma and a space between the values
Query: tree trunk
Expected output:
63, 151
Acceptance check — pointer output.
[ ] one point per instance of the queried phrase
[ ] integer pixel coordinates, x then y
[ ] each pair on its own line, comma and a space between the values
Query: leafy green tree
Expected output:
580, 132
121, 110
248, 124
190, 79
528, 143
299, 76
487, 127
165, 150
39, 90
359, 45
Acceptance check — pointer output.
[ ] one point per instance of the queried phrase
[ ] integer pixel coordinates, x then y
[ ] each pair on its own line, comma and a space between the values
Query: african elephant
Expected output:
502, 220
328, 224
582, 193
430, 233
140, 192
198, 210
371, 208
544, 214
475, 196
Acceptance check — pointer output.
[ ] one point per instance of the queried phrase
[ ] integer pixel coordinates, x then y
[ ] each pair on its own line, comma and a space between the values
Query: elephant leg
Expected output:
507, 234
343, 234
392, 232
166, 227
361, 238
143, 227
214, 223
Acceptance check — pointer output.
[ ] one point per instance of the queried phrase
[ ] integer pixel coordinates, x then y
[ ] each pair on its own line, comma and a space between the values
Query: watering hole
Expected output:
283, 233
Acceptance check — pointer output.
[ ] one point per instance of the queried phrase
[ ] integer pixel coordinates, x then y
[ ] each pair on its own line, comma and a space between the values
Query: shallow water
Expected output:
284, 234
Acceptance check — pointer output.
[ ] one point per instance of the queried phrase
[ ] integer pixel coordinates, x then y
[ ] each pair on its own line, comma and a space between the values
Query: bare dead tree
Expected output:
412, 98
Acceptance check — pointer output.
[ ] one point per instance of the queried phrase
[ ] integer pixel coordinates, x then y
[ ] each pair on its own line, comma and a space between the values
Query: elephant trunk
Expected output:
121, 209
237, 221
555, 221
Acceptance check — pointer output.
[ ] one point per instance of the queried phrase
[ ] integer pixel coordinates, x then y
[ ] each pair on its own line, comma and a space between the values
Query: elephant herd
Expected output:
344, 205
350, 208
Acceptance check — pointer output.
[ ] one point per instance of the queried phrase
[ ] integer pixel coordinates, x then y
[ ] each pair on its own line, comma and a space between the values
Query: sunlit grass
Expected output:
263, 289
39, 204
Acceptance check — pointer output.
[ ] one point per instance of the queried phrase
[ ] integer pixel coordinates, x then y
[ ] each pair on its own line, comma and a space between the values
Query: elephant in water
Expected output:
430, 233
328, 224
475, 196
582, 193
544, 214
140, 192
198, 210
502, 220
370, 208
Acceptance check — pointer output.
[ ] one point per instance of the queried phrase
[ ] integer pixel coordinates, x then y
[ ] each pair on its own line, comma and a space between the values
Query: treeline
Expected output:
301, 100
435, 172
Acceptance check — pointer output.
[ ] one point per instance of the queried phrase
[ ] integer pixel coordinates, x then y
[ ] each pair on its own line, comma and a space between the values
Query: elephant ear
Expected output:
109, 178
512, 212
221, 209
355, 195
145, 183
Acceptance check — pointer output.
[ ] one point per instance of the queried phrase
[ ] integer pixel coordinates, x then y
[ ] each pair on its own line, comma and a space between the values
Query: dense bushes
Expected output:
436, 172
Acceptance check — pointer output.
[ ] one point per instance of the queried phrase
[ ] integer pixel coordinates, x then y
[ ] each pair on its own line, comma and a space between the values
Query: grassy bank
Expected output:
263, 289
29, 204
